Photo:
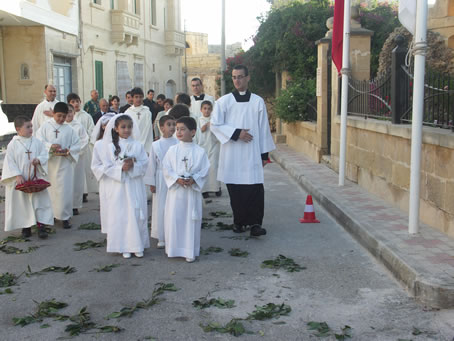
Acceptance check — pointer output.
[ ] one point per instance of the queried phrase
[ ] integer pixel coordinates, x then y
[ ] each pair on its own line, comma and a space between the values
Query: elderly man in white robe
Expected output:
240, 123
43, 111
63, 146
198, 97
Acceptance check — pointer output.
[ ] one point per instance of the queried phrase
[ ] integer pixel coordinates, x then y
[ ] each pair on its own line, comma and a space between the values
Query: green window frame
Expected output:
99, 79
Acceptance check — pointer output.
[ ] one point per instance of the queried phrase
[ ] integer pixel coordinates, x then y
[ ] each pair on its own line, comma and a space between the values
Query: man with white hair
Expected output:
92, 106
43, 110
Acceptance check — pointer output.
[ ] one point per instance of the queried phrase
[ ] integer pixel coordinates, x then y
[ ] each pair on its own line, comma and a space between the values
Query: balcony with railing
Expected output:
125, 27
175, 43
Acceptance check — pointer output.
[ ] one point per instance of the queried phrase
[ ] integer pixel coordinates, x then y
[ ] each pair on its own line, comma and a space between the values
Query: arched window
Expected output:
171, 89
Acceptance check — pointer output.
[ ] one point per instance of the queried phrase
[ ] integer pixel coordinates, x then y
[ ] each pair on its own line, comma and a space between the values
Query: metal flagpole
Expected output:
417, 115
223, 50
344, 95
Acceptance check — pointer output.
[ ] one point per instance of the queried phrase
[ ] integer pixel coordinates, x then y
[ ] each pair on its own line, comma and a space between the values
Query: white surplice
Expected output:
90, 183
39, 117
98, 169
61, 168
25, 209
210, 143
240, 162
79, 170
155, 177
183, 210
124, 198
143, 117
196, 106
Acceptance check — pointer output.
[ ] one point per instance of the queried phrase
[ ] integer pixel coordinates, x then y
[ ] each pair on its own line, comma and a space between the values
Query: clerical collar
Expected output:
199, 98
239, 97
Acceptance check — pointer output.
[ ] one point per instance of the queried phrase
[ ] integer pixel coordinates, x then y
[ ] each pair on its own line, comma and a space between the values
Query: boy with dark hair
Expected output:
24, 154
182, 98
185, 169
155, 178
142, 116
63, 146
179, 110
168, 104
128, 102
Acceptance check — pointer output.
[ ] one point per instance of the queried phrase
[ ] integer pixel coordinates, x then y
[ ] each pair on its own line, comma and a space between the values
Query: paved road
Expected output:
342, 284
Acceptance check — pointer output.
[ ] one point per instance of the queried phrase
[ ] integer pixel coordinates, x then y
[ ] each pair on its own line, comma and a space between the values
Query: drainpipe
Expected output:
2, 71
81, 90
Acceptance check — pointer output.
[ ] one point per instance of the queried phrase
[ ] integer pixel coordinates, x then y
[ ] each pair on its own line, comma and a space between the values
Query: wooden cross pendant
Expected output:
185, 159
138, 115
28, 153
56, 133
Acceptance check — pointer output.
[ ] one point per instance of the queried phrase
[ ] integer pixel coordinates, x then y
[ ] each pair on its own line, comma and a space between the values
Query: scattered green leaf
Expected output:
223, 226
346, 332
13, 239
45, 325
7, 279
234, 327
238, 253
107, 268
81, 323
45, 309
220, 303
14, 250
90, 226
210, 250
109, 329
220, 214
269, 311
207, 226
89, 244
64, 269
282, 262
322, 328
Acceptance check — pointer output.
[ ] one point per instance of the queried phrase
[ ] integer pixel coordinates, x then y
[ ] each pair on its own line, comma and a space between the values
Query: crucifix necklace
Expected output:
28, 150
56, 131
138, 115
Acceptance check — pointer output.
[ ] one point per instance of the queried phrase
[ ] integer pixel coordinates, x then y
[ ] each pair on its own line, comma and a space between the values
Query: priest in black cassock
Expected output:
240, 123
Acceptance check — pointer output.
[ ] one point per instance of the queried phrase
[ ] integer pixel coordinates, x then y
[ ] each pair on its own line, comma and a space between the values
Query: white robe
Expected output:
61, 168
196, 106
125, 201
98, 169
183, 211
39, 117
210, 143
25, 209
155, 177
90, 183
240, 162
79, 170
143, 117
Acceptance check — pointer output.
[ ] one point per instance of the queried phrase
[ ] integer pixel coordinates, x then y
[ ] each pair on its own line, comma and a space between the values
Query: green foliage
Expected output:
90, 226
282, 262
89, 244
7, 279
66, 270
45, 309
107, 268
291, 105
220, 214
234, 327
204, 302
236, 252
269, 311
382, 19
210, 250
14, 250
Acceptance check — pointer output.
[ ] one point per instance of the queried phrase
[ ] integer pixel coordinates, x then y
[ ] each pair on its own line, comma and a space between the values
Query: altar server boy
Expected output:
23, 210
210, 143
142, 115
155, 178
79, 170
63, 146
185, 169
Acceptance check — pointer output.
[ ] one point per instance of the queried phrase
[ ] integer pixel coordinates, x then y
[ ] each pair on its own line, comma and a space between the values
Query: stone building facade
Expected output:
108, 45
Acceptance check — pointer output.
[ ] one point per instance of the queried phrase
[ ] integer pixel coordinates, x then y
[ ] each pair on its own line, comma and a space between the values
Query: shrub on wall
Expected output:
291, 105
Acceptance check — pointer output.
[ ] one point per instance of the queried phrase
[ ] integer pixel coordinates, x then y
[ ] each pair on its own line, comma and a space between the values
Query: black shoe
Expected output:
84, 198
26, 232
66, 224
257, 230
219, 193
75, 211
238, 228
205, 195
42, 233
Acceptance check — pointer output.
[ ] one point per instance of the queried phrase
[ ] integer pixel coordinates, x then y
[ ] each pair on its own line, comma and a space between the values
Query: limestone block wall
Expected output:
303, 137
378, 159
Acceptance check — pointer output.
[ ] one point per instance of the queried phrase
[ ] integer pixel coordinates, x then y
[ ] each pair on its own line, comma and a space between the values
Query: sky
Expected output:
240, 19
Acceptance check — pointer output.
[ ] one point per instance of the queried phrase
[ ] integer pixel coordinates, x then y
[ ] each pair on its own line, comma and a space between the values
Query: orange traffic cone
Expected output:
309, 214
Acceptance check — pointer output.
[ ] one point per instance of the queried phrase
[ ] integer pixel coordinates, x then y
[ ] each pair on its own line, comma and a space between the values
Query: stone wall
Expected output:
378, 159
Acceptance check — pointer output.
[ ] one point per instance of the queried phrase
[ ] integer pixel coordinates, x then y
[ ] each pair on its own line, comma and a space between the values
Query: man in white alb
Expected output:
240, 123
198, 97
43, 110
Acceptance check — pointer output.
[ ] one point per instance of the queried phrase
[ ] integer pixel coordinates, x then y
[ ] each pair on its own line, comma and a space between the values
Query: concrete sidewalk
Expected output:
423, 262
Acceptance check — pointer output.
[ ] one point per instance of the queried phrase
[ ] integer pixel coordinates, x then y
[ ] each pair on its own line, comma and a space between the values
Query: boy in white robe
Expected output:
23, 210
185, 169
155, 178
125, 163
86, 120
142, 115
63, 146
210, 143
168, 104
79, 170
